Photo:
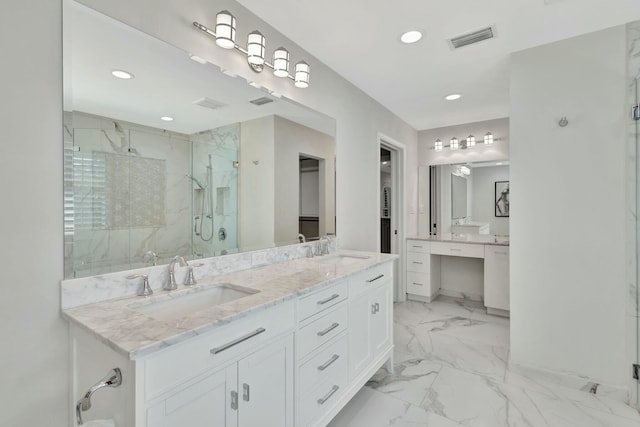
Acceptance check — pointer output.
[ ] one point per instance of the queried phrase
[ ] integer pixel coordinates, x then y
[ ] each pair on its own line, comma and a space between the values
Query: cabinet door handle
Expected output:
328, 363
377, 308
329, 329
373, 309
375, 278
237, 341
328, 395
234, 400
418, 284
326, 300
245, 392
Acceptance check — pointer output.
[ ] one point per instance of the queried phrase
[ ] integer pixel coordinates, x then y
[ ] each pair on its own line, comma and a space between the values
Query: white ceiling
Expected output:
361, 41
166, 81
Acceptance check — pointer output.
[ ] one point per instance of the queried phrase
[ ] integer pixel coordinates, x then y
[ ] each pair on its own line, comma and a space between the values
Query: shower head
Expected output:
195, 180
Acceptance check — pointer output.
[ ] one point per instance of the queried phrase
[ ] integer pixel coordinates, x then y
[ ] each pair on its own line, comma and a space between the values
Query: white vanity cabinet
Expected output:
496, 279
370, 318
423, 276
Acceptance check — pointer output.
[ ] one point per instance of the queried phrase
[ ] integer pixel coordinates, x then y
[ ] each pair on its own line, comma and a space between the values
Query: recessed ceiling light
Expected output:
166, 118
453, 97
411, 36
121, 74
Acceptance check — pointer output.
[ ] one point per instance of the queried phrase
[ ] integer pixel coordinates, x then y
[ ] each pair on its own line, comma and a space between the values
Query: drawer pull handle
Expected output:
245, 392
329, 329
328, 363
455, 250
234, 400
230, 344
375, 278
326, 300
418, 284
328, 395
417, 246
416, 262
500, 253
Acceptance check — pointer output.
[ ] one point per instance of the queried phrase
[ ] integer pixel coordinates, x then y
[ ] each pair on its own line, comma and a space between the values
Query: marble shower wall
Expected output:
215, 208
110, 194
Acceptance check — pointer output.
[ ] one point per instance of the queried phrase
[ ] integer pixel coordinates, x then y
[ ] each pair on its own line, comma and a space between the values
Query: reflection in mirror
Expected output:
178, 159
463, 199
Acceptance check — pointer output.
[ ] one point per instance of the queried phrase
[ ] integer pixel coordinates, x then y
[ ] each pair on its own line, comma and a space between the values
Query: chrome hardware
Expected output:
234, 400
635, 112
377, 308
171, 285
112, 379
326, 300
191, 279
237, 341
301, 238
418, 284
416, 262
328, 363
329, 329
373, 309
145, 290
245, 392
328, 395
375, 278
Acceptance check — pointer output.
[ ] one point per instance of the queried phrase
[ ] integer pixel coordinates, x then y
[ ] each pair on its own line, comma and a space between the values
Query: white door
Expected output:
380, 328
205, 403
265, 386
359, 342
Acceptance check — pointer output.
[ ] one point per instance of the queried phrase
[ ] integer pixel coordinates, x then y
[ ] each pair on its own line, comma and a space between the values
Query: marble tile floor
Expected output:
451, 370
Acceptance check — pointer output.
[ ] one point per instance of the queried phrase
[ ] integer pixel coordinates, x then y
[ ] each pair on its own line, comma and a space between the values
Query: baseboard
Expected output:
457, 294
421, 298
498, 312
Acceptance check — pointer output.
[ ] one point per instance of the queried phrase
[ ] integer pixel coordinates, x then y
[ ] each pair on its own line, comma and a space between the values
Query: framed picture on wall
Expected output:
502, 198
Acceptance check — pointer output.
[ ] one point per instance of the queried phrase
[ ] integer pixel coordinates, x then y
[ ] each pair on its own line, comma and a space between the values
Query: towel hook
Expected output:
112, 379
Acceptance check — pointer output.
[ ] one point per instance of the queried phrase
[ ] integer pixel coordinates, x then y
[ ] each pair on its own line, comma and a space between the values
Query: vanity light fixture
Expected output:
411, 37
122, 74
471, 141
225, 36
468, 142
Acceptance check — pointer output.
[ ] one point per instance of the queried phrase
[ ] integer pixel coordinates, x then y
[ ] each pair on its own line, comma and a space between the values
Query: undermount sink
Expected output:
174, 307
342, 259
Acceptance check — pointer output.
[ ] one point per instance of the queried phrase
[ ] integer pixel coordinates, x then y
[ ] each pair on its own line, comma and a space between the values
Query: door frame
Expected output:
398, 162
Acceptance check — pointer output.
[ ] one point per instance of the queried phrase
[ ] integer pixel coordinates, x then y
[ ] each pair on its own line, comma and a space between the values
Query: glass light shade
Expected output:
488, 138
302, 74
454, 144
255, 48
471, 141
281, 62
438, 145
225, 30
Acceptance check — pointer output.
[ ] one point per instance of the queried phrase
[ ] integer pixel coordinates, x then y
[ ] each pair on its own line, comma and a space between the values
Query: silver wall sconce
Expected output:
468, 142
225, 36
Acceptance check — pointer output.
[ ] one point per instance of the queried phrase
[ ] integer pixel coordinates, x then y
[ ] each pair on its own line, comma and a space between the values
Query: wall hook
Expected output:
563, 122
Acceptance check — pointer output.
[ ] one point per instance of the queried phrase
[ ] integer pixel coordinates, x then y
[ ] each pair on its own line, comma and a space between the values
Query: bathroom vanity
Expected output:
288, 345
424, 267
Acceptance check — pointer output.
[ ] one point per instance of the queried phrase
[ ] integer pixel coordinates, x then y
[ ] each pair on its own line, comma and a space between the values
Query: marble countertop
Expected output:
133, 334
478, 239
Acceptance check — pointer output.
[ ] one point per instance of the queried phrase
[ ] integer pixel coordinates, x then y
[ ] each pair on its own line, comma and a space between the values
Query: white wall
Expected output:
256, 184
483, 196
568, 207
34, 355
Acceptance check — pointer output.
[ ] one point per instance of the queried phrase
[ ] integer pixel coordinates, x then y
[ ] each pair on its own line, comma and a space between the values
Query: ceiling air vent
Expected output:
209, 103
471, 38
261, 101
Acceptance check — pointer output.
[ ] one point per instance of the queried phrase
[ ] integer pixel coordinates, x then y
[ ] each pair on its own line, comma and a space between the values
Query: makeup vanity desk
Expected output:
423, 266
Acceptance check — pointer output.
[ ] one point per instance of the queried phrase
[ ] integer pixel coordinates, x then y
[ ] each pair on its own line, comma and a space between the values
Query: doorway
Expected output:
309, 209
391, 207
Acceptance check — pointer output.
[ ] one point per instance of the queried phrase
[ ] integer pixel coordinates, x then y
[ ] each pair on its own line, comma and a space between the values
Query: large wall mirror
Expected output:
180, 158
467, 198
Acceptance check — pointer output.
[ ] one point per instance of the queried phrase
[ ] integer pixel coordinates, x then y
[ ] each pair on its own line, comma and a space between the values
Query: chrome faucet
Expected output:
301, 238
171, 284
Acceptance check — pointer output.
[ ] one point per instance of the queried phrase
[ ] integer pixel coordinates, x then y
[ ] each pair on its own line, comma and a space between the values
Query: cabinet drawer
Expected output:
418, 262
321, 398
418, 284
418, 246
321, 300
323, 365
457, 249
365, 280
178, 363
321, 330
